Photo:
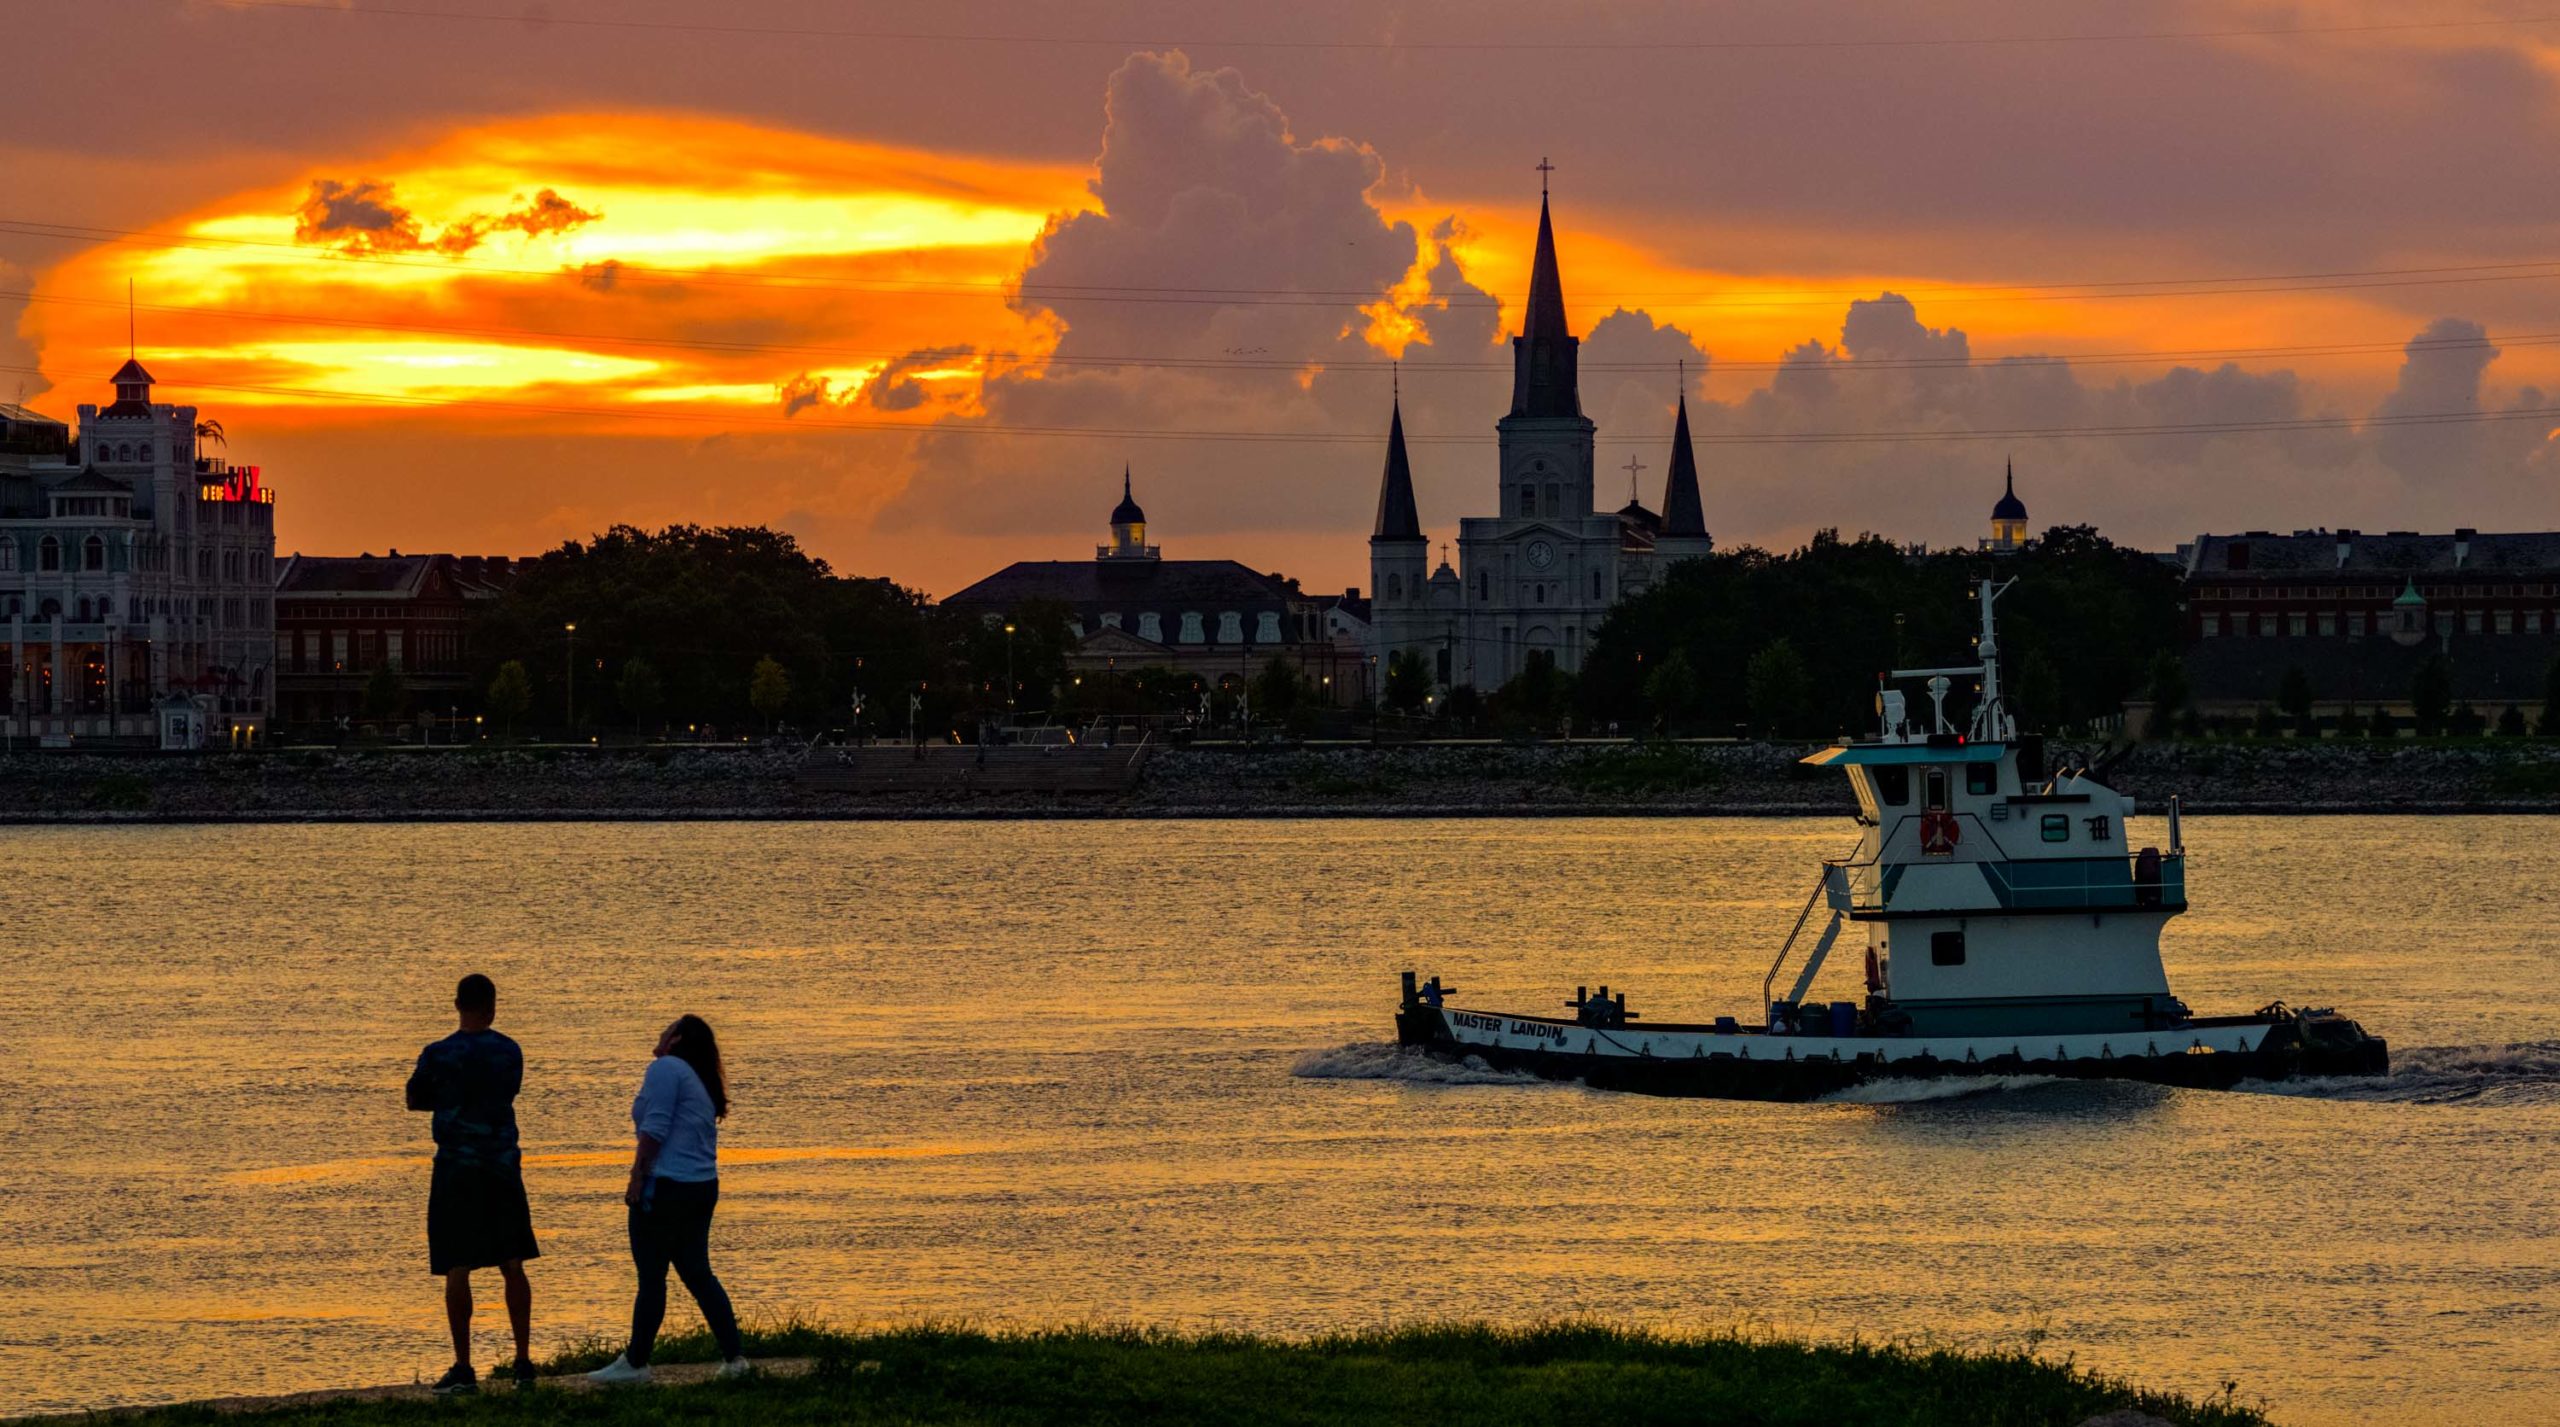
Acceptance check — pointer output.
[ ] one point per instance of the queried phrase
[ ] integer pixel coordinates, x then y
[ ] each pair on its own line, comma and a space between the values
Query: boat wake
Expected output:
1384, 1060
1944, 1087
2527, 1073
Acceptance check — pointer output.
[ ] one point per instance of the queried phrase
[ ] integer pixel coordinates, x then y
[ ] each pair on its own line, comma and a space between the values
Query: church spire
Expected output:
1397, 518
1683, 512
1543, 378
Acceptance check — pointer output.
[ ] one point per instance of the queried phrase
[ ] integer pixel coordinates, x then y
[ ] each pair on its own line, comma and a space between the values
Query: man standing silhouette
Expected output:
476, 1211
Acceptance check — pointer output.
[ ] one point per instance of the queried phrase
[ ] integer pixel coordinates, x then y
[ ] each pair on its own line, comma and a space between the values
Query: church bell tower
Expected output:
1546, 440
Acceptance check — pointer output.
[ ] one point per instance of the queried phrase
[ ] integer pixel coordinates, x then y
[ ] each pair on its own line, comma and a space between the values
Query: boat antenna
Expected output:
1991, 720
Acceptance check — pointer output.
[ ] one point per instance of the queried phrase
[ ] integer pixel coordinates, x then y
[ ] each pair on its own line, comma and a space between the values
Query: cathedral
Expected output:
1540, 576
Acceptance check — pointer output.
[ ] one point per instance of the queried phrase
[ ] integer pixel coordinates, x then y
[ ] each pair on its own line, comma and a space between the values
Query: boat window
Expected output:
1946, 948
2057, 827
1982, 779
1933, 786
1893, 786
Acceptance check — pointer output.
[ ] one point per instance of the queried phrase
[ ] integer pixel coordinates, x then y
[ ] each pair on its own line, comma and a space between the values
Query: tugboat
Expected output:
2009, 930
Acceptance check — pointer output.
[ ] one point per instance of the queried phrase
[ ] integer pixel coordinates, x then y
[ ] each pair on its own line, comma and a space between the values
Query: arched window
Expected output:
124, 452
1395, 587
84, 613
1528, 500
1595, 584
1538, 594
1555, 499
49, 554
93, 554
8, 554
50, 609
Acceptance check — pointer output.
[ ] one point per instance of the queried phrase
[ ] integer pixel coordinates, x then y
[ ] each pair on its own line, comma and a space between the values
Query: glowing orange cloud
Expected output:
656, 261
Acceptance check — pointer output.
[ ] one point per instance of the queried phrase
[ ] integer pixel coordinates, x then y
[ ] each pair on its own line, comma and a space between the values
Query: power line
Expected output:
2535, 270
804, 32
1372, 438
2371, 347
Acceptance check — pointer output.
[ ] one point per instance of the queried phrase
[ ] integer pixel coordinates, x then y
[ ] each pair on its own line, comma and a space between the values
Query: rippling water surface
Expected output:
1026, 1073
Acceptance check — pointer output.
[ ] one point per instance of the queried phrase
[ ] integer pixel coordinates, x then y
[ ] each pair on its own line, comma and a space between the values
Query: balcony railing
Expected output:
2108, 883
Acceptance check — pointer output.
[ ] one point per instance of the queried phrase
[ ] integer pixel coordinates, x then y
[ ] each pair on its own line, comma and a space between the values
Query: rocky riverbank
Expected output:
1450, 779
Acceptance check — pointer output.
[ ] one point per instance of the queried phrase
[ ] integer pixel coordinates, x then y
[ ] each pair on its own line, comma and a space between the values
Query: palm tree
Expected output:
211, 430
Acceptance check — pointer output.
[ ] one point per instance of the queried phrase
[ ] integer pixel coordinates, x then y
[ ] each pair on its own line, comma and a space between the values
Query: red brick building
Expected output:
341, 617
2358, 614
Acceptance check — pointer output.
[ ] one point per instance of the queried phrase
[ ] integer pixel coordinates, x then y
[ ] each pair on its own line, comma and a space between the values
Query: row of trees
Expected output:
737, 627
2432, 709
1789, 645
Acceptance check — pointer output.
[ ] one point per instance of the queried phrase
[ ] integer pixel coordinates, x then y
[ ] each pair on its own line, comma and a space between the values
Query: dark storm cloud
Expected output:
545, 212
358, 218
895, 389
365, 217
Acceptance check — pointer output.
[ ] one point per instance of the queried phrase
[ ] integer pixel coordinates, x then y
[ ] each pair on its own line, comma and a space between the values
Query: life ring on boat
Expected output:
1939, 833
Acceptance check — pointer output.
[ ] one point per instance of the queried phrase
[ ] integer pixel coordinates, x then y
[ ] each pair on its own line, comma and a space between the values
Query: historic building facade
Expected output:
1538, 577
1131, 608
136, 578
2359, 614
341, 618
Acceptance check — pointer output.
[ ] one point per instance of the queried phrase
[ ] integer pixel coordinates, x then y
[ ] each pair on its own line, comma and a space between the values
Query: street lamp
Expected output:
572, 628
1008, 666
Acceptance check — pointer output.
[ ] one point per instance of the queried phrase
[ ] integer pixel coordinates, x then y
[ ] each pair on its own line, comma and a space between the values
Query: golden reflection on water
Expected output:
1025, 1073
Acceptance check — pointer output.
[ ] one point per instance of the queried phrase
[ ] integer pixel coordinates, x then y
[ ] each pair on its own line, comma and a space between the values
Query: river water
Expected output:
1029, 1073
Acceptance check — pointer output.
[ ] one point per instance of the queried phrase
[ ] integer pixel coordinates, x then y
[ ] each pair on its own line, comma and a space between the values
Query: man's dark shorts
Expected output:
477, 1218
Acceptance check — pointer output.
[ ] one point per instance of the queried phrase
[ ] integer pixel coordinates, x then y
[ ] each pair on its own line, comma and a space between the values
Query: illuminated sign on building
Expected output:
238, 483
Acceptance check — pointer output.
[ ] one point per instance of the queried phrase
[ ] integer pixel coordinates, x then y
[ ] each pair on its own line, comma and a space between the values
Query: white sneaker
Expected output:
619, 1373
736, 1367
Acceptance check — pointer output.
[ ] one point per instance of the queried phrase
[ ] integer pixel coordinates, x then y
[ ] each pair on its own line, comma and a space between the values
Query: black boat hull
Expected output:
2286, 1053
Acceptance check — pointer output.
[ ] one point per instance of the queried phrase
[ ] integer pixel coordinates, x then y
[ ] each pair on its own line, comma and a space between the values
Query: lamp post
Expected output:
1008, 667
572, 662
1377, 701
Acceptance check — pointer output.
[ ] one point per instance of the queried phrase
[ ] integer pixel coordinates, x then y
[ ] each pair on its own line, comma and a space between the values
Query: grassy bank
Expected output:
1561, 1374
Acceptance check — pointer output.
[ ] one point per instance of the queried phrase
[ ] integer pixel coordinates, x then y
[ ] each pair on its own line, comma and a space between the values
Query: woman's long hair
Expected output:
697, 1047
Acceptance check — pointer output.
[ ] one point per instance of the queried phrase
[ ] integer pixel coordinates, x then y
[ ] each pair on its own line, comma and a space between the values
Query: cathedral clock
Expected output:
1541, 554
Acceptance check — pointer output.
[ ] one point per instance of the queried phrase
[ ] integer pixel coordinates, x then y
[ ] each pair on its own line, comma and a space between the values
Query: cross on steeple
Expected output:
1633, 468
1544, 168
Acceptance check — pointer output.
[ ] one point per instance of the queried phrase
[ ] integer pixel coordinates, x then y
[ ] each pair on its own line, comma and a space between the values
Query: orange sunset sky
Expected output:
914, 282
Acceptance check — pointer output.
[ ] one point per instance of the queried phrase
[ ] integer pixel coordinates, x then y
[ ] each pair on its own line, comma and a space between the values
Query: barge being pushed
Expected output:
2008, 930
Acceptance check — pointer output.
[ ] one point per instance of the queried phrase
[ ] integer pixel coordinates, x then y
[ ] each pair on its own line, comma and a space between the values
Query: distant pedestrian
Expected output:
675, 1185
476, 1211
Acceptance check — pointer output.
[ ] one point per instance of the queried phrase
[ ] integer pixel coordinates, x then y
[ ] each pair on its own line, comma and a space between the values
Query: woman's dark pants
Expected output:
675, 1230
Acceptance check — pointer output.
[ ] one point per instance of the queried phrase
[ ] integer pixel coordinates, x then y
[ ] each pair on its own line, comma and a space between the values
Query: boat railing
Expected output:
2135, 880
1831, 866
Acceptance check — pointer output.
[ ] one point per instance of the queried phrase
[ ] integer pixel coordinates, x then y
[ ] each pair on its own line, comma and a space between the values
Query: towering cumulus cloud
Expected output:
1221, 238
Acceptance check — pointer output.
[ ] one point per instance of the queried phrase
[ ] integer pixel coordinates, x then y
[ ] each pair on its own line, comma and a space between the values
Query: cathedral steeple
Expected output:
1683, 513
1543, 362
1397, 517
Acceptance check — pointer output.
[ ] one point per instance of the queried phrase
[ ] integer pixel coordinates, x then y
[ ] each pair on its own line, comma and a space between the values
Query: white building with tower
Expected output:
1537, 577
136, 578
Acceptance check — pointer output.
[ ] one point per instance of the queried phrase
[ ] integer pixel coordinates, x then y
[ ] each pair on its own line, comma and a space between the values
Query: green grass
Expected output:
1570, 1374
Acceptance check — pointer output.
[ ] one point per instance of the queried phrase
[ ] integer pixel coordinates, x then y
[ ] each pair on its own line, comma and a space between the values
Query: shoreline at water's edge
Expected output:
1159, 813
765, 783
1389, 1377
